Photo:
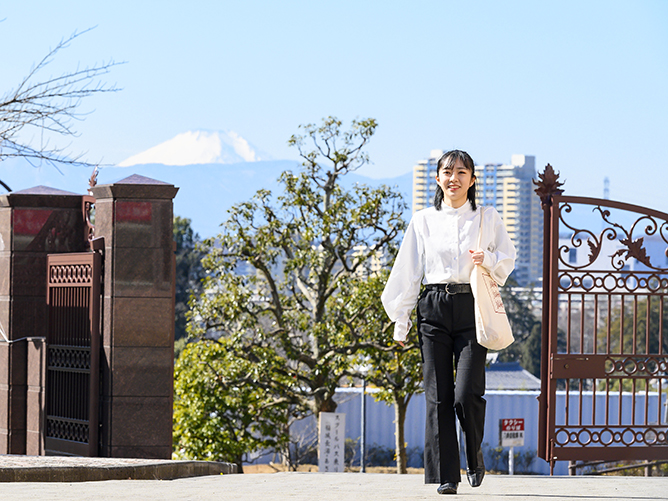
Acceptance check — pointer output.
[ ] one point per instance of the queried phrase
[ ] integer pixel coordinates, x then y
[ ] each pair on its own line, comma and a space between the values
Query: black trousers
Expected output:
446, 327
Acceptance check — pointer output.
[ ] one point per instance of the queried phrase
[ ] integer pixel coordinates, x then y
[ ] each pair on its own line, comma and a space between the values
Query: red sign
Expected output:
512, 424
133, 212
30, 221
512, 432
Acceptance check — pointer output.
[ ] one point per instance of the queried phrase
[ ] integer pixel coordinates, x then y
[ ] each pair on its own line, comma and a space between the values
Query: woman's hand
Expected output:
401, 343
477, 256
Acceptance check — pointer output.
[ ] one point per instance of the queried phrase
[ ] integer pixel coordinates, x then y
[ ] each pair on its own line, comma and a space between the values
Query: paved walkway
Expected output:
343, 487
58, 478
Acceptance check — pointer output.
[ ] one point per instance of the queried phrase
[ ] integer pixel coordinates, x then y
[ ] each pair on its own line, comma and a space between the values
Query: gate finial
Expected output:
92, 182
548, 185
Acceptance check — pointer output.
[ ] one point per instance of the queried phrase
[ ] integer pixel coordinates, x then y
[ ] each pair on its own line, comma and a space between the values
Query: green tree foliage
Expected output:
279, 277
394, 369
189, 271
526, 326
215, 417
640, 335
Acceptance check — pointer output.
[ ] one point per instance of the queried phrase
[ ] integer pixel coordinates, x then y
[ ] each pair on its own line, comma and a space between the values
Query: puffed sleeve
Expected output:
499, 250
403, 285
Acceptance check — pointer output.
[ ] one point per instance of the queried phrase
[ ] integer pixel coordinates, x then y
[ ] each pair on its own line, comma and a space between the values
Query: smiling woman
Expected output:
439, 251
455, 177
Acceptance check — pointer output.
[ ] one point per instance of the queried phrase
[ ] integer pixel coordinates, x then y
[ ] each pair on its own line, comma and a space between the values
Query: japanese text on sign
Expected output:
512, 432
331, 441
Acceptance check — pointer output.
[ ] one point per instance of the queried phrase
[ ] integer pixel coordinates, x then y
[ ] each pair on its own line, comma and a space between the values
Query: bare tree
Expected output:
47, 107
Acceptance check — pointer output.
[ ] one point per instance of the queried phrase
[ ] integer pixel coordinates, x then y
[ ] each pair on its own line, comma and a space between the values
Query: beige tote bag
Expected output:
491, 323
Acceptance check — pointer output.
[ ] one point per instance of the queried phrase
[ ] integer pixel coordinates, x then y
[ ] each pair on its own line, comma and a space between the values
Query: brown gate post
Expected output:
135, 217
33, 223
546, 188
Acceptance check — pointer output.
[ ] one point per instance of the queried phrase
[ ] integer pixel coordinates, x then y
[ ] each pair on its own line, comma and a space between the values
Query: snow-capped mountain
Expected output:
206, 190
199, 147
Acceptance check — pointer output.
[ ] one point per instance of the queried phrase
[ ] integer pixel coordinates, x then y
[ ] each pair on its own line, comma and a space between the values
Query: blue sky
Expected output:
580, 84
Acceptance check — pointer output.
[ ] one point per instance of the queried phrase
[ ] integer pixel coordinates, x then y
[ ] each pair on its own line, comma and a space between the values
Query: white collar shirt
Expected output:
435, 250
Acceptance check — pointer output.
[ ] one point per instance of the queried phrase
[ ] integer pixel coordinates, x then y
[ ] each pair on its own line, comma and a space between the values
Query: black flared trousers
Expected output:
446, 327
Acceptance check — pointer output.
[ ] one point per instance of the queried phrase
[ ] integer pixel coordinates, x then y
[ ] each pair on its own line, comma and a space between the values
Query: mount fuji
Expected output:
213, 171
199, 147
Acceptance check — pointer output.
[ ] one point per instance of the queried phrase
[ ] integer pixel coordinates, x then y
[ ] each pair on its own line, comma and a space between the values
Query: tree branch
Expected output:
49, 106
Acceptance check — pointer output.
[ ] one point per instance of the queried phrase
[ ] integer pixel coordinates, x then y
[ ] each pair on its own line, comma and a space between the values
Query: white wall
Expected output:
500, 405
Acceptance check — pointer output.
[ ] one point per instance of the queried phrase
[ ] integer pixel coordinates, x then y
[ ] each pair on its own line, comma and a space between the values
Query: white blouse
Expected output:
435, 250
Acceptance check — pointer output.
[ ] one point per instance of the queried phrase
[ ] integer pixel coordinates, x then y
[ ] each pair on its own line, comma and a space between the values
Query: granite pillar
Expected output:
33, 223
135, 217
35, 396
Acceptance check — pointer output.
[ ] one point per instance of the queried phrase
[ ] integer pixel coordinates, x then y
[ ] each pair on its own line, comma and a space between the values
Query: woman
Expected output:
439, 251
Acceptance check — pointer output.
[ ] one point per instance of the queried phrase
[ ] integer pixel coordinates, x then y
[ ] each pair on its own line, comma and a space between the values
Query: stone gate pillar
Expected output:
135, 217
33, 223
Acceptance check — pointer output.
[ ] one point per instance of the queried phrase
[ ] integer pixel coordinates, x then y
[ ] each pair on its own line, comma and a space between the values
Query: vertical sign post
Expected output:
331, 443
363, 434
512, 434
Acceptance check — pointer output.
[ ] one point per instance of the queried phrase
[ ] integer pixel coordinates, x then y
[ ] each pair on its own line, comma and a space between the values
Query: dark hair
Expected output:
448, 159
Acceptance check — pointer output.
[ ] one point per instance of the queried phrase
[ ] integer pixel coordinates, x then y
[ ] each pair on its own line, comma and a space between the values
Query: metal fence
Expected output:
73, 349
604, 321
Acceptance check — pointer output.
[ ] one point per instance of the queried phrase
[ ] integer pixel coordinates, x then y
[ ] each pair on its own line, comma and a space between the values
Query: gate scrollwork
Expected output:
632, 246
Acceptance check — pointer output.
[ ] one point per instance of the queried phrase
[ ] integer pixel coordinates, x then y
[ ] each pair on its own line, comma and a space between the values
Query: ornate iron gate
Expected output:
605, 315
73, 352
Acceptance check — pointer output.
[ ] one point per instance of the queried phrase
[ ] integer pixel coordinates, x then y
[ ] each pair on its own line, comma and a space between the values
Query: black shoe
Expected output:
476, 474
447, 488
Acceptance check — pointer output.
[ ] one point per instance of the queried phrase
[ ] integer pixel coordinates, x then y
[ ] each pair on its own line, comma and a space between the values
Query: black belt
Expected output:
452, 288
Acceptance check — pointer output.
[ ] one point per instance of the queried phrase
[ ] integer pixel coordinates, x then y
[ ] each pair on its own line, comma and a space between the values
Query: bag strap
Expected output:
482, 213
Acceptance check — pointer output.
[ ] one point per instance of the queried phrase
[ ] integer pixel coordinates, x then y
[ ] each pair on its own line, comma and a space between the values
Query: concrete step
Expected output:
15, 468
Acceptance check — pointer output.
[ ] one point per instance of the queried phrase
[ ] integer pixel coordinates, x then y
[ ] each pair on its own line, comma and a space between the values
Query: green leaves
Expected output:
525, 323
285, 297
212, 387
341, 149
189, 270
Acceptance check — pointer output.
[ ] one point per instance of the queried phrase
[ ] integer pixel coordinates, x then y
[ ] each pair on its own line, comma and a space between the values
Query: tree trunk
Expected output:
400, 406
325, 405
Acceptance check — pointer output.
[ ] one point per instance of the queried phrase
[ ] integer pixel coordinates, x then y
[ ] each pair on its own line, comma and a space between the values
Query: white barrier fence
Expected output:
500, 405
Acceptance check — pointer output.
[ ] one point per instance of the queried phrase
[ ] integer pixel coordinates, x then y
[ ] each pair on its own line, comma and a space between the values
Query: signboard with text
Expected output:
512, 432
331, 443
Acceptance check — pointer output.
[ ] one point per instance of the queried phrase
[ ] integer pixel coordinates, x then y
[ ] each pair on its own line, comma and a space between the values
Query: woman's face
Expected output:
455, 182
